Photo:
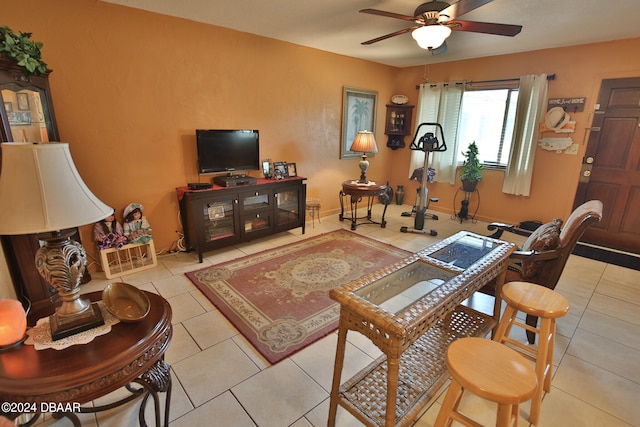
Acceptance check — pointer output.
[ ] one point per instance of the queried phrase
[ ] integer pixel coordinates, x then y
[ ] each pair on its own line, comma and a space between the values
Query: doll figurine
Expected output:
109, 233
136, 227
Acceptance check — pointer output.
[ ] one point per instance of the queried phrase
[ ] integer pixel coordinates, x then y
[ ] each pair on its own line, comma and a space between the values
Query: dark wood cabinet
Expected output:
26, 112
397, 124
30, 287
222, 216
26, 115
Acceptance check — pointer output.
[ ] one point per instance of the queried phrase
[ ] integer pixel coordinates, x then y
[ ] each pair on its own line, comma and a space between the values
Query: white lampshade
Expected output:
364, 142
41, 190
431, 36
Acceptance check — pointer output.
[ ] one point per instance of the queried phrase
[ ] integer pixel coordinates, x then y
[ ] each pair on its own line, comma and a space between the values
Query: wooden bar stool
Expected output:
491, 371
545, 304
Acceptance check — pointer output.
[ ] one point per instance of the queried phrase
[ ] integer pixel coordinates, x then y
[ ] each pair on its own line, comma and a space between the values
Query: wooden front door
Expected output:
611, 166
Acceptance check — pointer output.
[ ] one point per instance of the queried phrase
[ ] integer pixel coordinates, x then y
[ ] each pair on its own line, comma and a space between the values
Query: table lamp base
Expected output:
65, 326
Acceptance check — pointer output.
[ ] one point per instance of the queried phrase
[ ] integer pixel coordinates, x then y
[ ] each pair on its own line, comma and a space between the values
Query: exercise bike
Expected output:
417, 176
427, 143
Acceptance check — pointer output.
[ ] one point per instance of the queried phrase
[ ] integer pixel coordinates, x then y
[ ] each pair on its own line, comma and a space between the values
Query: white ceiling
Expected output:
337, 26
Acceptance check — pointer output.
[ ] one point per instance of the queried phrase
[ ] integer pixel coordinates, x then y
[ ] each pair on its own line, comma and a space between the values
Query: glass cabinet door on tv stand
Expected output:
255, 212
290, 206
218, 221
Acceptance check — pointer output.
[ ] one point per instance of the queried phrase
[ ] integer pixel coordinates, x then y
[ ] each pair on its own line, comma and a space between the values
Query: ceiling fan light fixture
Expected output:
431, 36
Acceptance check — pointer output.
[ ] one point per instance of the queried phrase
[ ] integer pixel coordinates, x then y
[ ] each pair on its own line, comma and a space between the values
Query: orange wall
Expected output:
579, 71
130, 87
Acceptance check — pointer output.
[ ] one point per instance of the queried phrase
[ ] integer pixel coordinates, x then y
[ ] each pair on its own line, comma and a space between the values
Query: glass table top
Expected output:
464, 251
402, 288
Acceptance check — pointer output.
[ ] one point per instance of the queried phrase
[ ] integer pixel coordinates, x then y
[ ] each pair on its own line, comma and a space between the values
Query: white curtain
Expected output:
529, 112
440, 103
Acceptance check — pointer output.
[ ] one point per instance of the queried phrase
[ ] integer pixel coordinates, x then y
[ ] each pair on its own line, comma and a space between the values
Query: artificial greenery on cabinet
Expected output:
25, 52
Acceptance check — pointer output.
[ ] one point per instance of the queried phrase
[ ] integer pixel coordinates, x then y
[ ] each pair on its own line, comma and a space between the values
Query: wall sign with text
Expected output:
572, 105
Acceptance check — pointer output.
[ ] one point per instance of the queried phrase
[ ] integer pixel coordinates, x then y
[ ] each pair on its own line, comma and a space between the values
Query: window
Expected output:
487, 117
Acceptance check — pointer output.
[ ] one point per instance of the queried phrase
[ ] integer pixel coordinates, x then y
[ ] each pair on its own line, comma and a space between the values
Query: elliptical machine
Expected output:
427, 143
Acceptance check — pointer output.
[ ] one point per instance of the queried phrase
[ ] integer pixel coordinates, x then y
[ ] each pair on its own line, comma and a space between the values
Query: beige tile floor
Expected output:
220, 380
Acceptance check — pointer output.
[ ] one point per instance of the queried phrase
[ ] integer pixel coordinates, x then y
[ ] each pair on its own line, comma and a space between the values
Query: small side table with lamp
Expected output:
356, 190
48, 197
131, 355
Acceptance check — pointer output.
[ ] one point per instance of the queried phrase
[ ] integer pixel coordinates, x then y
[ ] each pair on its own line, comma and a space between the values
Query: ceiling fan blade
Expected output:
485, 27
388, 14
387, 36
440, 49
463, 6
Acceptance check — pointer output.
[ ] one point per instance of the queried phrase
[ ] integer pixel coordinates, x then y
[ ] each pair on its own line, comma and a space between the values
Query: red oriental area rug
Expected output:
279, 299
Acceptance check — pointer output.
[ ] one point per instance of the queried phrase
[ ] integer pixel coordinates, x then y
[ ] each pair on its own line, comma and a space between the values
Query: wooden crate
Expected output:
128, 259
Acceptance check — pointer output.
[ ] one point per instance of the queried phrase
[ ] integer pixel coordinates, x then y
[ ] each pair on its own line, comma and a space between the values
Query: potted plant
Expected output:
471, 168
20, 48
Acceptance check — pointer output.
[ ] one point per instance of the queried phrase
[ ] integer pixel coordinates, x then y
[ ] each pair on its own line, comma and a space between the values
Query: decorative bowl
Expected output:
126, 302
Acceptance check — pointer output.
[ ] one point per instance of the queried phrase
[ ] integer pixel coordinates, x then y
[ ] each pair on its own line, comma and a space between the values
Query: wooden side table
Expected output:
356, 192
130, 353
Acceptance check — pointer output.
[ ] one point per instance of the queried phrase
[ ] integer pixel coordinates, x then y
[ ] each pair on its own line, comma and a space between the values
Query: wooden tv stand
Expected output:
223, 216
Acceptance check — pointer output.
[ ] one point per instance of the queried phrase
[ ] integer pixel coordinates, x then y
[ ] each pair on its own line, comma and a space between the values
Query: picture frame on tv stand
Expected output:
280, 169
266, 168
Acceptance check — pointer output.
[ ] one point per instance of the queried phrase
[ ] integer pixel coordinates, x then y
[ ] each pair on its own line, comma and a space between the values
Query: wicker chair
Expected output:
548, 263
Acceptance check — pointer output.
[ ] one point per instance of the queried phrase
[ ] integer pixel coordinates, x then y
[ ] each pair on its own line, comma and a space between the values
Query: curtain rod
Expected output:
549, 77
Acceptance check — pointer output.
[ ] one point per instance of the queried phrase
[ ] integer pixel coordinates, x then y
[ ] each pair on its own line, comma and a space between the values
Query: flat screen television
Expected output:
229, 151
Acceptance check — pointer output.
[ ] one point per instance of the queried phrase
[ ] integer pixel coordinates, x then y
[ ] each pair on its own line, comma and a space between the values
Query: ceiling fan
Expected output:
434, 21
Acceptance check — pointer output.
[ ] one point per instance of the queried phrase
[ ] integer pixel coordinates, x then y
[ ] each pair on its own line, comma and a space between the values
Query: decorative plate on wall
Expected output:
399, 99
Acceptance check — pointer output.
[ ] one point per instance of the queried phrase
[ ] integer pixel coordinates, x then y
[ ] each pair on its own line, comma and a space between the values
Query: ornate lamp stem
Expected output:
62, 262
364, 165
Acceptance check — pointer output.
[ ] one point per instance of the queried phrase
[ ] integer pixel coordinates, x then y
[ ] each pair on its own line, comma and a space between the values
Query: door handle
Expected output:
585, 171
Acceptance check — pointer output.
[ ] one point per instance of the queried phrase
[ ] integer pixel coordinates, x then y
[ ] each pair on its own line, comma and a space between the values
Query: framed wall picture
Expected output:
291, 170
8, 107
23, 101
20, 118
359, 109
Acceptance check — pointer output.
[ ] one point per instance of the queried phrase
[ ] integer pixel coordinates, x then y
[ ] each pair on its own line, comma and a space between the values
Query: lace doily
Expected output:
40, 335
